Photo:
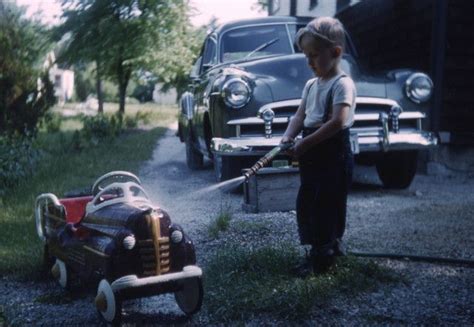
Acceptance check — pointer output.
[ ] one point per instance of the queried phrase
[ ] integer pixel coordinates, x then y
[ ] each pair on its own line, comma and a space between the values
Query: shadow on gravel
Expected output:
359, 187
138, 319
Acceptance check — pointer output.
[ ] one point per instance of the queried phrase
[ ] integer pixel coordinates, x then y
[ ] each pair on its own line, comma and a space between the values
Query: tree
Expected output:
23, 47
176, 56
82, 35
121, 35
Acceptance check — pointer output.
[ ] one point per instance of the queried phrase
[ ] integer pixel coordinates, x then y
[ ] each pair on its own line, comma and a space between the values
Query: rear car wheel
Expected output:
108, 304
226, 167
397, 169
194, 158
189, 298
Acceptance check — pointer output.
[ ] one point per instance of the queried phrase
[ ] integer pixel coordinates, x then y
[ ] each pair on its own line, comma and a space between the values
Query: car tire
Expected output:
194, 158
111, 312
397, 169
189, 298
226, 167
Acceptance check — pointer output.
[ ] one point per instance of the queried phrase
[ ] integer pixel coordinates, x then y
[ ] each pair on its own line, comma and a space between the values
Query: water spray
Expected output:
262, 162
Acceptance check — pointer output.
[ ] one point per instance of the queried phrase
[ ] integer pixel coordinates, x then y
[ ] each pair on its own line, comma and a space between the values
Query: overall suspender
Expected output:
329, 99
328, 106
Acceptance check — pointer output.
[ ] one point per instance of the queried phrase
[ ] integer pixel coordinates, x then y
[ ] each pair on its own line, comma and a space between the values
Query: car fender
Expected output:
186, 115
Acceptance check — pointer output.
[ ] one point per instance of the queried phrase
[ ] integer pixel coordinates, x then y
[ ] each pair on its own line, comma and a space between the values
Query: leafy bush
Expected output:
23, 44
17, 160
101, 127
52, 122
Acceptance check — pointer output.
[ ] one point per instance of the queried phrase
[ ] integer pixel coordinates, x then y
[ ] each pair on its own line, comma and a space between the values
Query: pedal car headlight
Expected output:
129, 242
176, 236
419, 88
236, 93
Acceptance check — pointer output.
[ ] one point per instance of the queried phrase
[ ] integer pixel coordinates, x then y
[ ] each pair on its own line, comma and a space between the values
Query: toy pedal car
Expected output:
116, 235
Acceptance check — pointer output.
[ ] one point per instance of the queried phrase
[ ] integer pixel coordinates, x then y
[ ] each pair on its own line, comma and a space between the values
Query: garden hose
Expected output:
401, 256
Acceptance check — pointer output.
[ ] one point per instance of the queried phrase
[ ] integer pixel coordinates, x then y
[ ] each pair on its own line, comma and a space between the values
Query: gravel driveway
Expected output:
435, 216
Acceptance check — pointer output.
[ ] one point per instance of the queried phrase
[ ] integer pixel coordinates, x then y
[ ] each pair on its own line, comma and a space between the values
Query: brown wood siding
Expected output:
394, 34
457, 114
391, 34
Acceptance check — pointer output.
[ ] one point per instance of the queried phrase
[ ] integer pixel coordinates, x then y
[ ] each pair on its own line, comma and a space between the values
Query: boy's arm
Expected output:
295, 125
328, 129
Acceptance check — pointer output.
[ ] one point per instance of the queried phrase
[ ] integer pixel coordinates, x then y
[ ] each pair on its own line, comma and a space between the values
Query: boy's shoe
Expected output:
323, 259
339, 248
305, 267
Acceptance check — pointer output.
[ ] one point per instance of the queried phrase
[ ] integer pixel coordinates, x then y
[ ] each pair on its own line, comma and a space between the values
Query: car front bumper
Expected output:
361, 142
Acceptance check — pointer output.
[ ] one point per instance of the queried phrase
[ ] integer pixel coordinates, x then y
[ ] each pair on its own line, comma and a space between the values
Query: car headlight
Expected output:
129, 242
419, 88
176, 236
236, 93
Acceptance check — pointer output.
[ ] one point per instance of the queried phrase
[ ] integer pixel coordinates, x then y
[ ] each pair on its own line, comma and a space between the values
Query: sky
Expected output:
223, 10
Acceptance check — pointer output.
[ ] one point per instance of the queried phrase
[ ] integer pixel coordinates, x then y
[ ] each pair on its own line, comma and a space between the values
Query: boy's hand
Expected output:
287, 139
299, 148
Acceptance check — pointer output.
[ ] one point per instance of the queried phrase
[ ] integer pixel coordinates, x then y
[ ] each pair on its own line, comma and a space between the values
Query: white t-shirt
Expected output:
316, 94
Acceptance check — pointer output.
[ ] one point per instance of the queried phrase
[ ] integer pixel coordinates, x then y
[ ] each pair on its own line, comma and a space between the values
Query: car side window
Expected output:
209, 56
195, 70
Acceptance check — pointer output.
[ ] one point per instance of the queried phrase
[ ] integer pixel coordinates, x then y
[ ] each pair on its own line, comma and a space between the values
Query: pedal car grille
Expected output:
154, 252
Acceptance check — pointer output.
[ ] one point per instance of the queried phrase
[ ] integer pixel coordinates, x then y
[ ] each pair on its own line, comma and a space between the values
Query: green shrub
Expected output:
131, 122
52, 122
100, 127
143, 116
221, 222
17, 160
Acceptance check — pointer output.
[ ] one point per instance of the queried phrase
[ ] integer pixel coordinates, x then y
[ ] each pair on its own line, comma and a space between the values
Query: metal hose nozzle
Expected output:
262, 162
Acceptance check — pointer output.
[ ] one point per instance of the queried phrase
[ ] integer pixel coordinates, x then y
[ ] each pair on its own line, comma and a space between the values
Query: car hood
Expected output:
286, 76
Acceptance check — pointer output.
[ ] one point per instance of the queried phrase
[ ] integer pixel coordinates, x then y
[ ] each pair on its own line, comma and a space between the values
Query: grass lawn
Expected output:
62, 169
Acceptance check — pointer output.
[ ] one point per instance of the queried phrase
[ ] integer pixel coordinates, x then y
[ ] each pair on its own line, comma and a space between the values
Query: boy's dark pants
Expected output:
326, 175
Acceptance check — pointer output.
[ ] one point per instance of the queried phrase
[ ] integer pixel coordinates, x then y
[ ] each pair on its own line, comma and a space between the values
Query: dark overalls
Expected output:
326, 175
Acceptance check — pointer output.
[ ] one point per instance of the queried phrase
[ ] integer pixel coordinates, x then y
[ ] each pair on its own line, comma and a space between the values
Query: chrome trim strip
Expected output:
380, 101
403, 115
244, 146
357, 117
278, 104
256, 121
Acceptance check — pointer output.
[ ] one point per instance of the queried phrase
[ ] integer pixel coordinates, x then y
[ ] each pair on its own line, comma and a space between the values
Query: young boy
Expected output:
325, 159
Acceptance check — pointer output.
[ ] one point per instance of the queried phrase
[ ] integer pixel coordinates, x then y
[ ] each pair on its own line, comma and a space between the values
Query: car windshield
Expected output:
255, 41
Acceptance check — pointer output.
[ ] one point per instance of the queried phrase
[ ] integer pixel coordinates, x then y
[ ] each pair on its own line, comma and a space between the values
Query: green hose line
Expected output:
401, 256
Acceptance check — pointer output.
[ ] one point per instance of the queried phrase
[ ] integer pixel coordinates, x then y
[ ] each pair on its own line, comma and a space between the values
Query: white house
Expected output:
62, 79
310, 8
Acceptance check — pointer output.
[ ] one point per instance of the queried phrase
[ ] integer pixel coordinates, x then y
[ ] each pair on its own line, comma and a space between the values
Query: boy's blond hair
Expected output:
327, 29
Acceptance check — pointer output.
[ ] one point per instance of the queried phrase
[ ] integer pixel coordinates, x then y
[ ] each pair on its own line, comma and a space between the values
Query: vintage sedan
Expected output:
115, 235
247, 84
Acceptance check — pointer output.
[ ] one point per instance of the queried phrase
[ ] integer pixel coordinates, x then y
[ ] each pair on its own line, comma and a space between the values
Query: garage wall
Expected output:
435, 36
457, 114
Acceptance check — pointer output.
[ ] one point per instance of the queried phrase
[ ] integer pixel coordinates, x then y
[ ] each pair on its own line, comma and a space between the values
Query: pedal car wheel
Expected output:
62, 273
189, 298
108, 304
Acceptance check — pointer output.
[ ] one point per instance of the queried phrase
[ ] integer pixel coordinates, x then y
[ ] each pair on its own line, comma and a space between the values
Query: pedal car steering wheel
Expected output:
113, 177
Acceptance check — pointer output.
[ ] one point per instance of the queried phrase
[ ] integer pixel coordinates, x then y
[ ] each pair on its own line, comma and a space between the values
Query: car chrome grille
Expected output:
361, 125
